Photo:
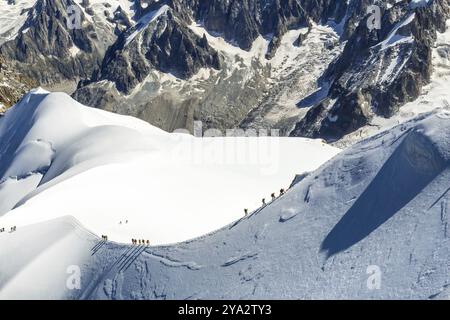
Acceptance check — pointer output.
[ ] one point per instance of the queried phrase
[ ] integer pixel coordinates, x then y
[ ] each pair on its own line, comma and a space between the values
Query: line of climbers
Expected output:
11, 230
139, 241
133, 241
147, 242
274, 197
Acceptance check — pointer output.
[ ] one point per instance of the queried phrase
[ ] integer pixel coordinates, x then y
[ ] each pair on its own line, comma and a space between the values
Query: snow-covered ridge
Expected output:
257, 52
380, 205
323, 238
61, 158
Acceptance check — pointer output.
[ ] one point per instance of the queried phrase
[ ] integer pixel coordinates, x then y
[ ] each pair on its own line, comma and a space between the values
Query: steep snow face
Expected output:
372, 223
122, 177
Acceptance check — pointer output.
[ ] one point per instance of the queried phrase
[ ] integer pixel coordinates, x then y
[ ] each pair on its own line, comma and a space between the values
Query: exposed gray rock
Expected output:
13, 85
44, 47
243, 21
378, 71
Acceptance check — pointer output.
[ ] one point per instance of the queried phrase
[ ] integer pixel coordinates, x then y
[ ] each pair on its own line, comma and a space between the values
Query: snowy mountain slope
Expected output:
60, 158
434, 95
63, 242
380, 205
285, 251
107, 15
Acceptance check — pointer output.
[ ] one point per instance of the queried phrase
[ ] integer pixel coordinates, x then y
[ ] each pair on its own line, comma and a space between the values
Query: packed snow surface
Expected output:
372, 223
13, 18
121, 177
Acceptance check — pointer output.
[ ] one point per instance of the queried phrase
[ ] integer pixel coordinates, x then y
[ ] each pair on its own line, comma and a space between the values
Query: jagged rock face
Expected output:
48, 50
378, 71
168, 45
13, 86
158, 41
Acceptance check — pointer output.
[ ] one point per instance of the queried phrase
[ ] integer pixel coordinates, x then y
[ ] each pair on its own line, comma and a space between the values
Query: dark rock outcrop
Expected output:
242, 21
